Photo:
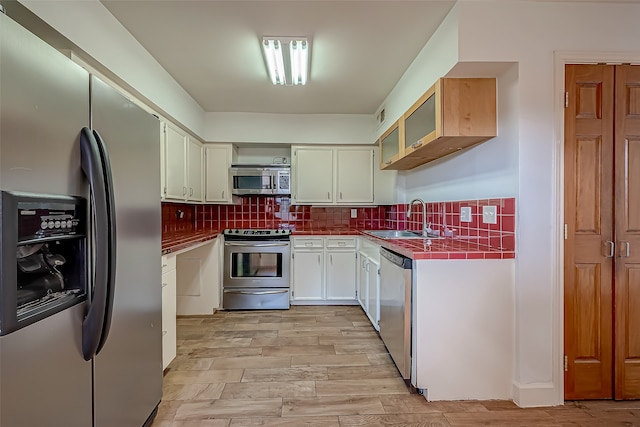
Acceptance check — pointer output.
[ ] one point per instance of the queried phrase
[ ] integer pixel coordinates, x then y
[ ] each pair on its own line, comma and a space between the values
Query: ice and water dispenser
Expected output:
43, 257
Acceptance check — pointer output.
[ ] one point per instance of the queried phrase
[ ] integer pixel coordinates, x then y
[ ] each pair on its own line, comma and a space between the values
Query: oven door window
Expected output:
247, 182
256, 264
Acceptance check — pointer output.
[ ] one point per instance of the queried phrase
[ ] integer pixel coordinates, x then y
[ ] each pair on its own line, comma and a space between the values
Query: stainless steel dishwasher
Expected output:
395, 308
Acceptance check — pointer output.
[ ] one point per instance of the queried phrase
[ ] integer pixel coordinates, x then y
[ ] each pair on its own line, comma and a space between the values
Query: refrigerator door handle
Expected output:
92, 324
111, 239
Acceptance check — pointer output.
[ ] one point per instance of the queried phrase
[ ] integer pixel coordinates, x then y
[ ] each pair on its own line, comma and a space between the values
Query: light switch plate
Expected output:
465, 214
354, 213
489, 215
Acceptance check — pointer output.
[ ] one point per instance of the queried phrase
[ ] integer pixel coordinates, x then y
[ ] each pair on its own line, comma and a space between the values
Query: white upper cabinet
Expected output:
175, 165
354, 178
182, 174
333, 175
218, 159
194, 169
312, 175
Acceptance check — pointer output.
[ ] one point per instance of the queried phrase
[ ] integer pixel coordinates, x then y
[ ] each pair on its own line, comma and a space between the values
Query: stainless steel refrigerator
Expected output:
45, 102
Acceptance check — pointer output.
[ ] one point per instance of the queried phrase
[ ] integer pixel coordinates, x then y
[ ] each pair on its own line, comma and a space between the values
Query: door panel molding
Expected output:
627, 269
588, 209
554, 394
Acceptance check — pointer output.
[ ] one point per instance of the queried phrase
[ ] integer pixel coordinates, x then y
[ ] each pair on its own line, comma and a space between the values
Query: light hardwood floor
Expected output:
323, 366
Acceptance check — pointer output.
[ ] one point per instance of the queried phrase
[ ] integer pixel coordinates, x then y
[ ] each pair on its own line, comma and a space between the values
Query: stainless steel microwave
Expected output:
261, 179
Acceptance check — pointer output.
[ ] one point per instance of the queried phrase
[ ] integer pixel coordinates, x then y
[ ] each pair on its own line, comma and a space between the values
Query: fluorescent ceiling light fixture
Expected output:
287, 59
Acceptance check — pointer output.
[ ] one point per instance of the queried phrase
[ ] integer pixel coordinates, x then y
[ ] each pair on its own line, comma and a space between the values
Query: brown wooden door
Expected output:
588, 269
602, 248
627, 229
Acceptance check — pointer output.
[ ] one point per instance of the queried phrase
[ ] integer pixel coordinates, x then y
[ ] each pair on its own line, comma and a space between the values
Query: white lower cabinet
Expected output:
362, 281
373, 292
324, 269
308, 275
369, 281
168, 309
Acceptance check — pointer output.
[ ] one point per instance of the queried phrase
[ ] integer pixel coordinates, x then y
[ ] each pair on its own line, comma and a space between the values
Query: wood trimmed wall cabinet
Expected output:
454, 114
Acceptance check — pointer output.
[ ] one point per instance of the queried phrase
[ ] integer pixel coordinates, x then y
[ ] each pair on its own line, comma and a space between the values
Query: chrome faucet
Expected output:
425, 229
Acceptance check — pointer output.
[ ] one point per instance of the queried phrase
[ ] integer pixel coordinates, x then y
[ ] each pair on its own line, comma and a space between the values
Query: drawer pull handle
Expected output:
308, 243
164, 285
416, 144
627, 251
165, 265
612, 248
342, 244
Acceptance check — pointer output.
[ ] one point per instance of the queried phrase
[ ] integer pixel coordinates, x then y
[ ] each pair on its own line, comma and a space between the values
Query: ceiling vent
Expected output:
380, 116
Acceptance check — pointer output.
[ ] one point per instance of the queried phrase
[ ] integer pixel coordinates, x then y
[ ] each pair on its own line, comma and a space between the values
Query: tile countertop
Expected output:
173, 242
417, 249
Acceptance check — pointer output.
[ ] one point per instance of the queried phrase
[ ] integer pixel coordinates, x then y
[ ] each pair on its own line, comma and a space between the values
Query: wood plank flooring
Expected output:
324, 366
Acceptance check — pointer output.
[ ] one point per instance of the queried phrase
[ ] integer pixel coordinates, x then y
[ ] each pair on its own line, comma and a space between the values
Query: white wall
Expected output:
435, 59
90, 26
530, 33
524, 159
290, 128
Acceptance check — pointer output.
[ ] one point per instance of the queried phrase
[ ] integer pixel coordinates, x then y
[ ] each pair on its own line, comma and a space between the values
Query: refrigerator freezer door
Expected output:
128, 369
44, 104
43, 379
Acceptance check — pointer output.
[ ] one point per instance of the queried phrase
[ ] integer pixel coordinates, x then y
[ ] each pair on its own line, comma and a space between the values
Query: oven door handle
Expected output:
256, 245
231, 291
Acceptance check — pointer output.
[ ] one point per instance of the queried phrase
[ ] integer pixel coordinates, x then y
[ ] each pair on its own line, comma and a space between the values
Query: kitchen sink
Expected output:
400, 234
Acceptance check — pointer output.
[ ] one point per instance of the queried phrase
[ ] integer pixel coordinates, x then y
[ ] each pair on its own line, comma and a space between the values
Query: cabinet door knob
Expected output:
416, 144
388, 162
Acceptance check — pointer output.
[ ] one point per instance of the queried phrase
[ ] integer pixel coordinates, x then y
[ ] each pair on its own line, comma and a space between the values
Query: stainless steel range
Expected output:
256, 269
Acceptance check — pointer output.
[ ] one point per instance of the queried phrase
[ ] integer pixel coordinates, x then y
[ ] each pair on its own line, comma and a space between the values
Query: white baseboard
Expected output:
535, 395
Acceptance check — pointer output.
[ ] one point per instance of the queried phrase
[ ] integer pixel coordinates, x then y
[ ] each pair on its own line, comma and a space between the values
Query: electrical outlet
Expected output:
354, 213
489, 215
465, 214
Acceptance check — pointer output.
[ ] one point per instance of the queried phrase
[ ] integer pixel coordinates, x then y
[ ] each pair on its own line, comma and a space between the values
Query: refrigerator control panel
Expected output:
49, 220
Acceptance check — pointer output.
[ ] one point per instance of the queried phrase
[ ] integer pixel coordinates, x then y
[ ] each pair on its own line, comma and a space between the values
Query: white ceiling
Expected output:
359, 49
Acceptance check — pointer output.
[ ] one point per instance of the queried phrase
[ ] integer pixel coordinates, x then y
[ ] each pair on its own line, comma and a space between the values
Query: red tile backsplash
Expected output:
446, 216
178, 217
277, 212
